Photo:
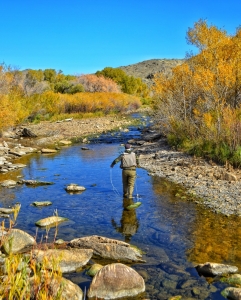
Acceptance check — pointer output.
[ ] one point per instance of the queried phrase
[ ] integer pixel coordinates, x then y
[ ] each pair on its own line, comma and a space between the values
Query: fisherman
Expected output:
129, 161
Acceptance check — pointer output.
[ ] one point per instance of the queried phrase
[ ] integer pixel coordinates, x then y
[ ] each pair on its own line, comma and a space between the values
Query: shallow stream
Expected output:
174, 233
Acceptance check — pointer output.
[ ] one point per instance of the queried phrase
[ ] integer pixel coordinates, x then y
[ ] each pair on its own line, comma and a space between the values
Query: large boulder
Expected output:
215, 269
115, 281
108, 248
17, 241
69, 260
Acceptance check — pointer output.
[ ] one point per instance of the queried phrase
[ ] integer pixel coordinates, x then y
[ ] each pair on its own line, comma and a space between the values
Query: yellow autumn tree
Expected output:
203, 93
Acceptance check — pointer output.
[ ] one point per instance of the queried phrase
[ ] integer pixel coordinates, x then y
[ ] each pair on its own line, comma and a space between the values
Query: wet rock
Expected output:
85, 148
34, 182
172, 269
214, 269
46, 150
75, 188
196, 292
108, 248
69, 260
8, 183
116, 281
183, 284
70, 290
17, 241
232, 293
50, 221
4, 216
59, 286
94, 269
42, 203
169, 284
10, 210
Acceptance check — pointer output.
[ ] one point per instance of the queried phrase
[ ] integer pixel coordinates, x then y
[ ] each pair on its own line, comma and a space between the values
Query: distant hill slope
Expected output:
146, 69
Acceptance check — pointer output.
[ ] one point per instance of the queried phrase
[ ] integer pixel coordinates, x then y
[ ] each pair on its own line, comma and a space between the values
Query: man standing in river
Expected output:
129, 161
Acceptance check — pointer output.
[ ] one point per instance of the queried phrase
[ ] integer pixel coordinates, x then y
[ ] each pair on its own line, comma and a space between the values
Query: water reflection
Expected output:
216, 238
208, 236
128, 223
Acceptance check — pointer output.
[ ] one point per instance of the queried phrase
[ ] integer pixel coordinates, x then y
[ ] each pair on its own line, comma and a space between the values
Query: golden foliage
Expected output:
204, 94
15, 108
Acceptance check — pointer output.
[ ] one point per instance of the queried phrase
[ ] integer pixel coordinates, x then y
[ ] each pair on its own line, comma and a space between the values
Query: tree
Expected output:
129, 84
93, 83
201, 102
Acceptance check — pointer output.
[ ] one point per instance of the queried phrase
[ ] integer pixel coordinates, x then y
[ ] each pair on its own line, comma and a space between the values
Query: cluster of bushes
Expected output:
43, 94
199, 108
128, 84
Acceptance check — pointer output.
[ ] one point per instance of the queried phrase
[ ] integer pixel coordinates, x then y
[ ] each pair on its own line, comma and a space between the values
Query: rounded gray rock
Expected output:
115, 281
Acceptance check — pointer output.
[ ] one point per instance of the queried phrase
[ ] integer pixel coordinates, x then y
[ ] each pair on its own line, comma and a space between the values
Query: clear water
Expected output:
174, 233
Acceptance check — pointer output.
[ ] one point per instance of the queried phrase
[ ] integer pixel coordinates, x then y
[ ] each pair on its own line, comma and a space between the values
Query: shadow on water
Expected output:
174, 232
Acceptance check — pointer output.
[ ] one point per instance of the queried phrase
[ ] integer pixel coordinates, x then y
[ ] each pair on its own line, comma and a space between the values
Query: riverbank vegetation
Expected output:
35, 95
198, 108
23, 276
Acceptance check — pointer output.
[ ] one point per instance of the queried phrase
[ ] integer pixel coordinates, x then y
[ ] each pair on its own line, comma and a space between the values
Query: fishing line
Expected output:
113, 187
137, 195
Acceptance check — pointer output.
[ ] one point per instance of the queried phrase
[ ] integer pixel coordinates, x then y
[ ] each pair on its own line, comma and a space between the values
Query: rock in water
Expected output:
50, 221
42, 203
73, 187
108, 248
8, 183
232, 293
69, 260
94, 269
46, 150
34, 182
214, 269
116, 281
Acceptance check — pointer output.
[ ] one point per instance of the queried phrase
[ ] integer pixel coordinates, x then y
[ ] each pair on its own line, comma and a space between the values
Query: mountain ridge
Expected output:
148, 68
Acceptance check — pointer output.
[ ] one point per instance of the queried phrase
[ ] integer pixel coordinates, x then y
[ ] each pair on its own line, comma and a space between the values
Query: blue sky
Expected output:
83, 36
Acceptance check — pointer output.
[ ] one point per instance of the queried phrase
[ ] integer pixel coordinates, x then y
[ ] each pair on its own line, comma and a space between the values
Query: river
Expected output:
175, 234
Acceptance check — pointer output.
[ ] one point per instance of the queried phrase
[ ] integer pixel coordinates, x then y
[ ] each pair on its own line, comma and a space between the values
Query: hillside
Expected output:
146, 69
